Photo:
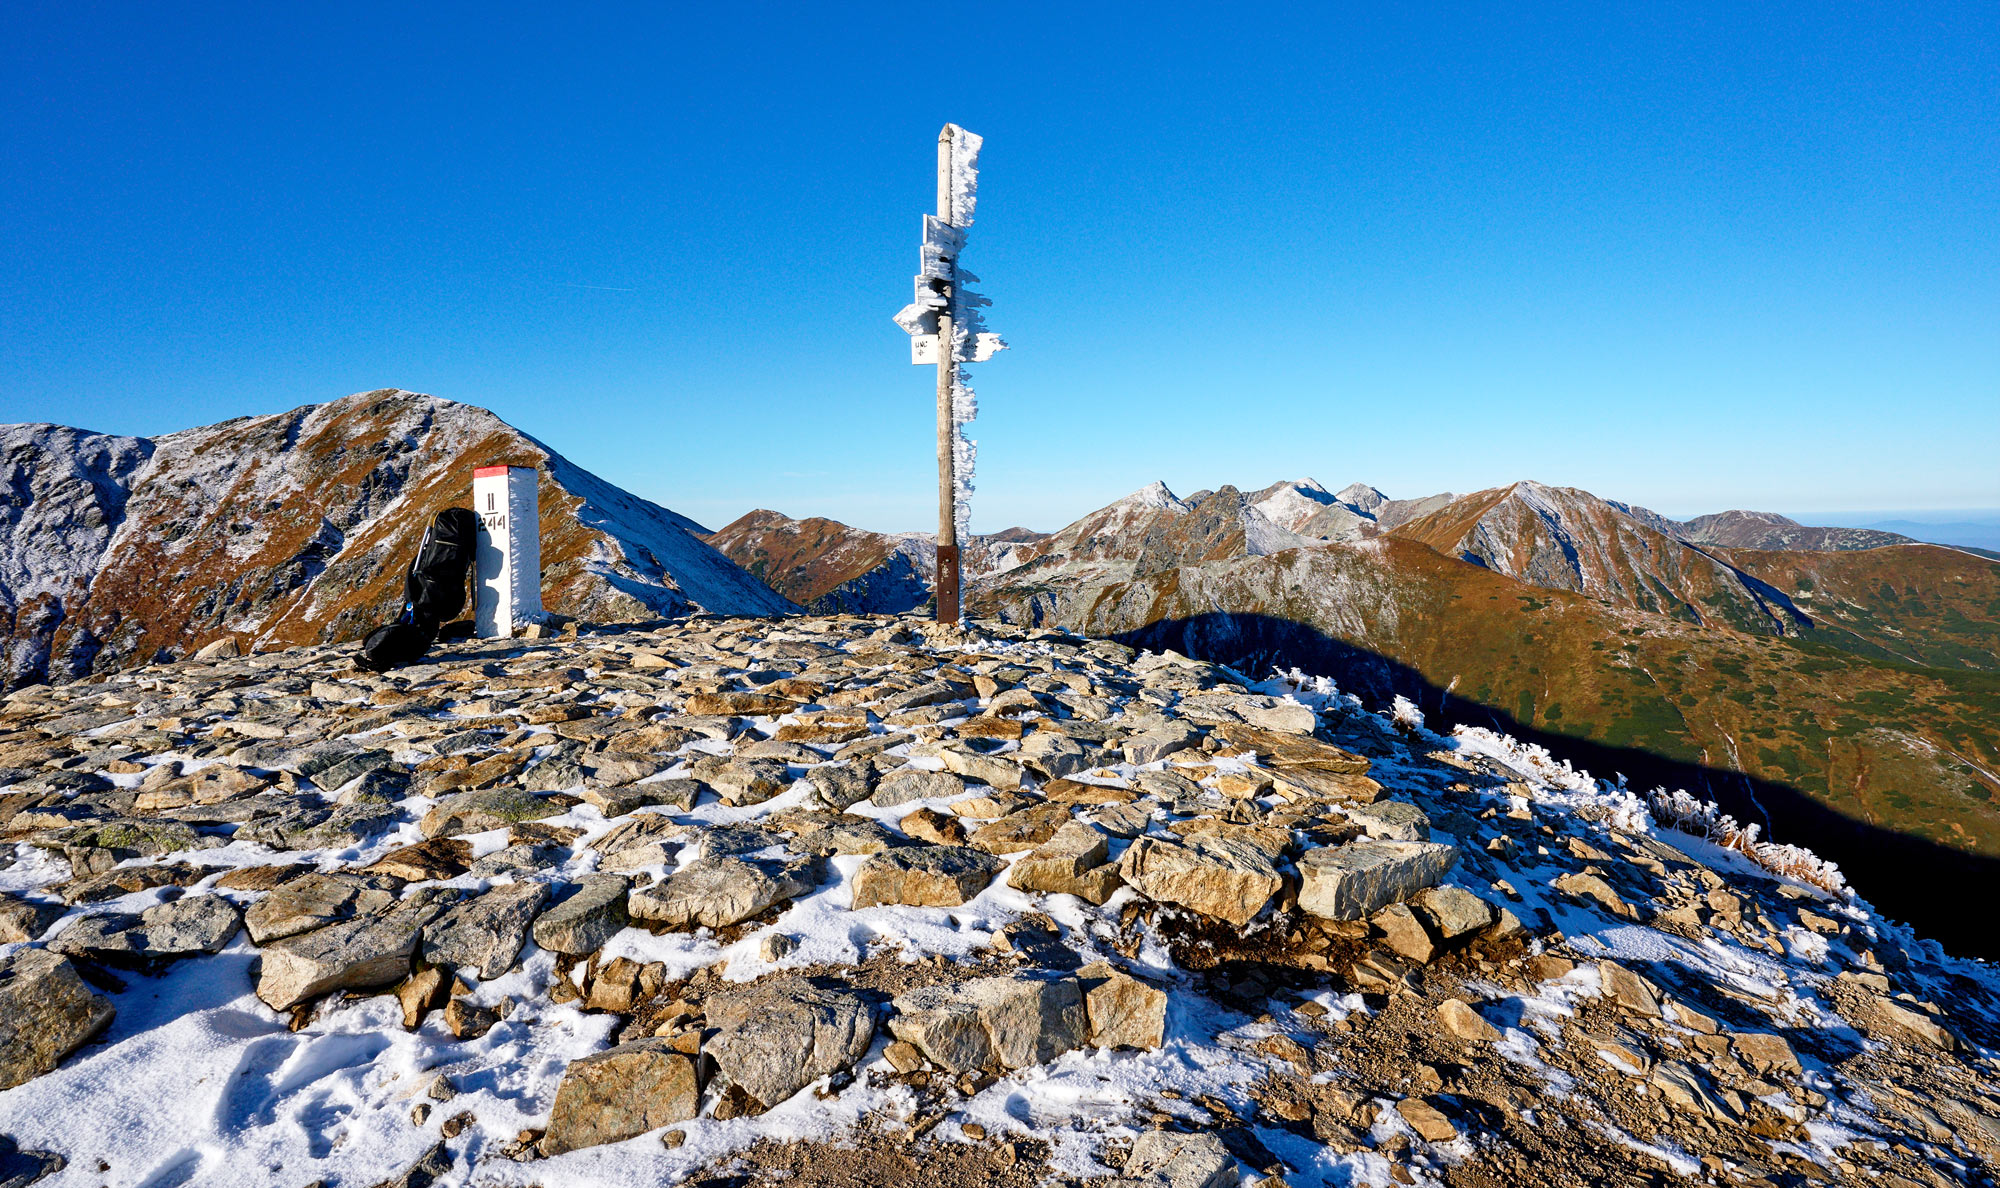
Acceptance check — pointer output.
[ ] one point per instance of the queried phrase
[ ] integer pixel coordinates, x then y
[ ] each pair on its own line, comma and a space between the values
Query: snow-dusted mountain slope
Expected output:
295, 527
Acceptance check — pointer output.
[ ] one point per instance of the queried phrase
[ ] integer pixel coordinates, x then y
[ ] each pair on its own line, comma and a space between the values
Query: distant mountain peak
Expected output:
1361, 497
1154, 495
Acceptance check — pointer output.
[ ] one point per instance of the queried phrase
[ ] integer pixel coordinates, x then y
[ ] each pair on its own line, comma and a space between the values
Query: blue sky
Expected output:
1692, 257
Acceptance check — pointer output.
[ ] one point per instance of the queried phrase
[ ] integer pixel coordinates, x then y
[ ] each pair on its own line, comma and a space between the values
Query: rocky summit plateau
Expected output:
863, 900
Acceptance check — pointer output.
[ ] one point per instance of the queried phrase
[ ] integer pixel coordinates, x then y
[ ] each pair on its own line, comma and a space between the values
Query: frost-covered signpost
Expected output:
946, 329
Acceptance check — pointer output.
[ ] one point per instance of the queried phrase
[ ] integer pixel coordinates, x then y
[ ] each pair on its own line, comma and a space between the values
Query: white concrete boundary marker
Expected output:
508, 561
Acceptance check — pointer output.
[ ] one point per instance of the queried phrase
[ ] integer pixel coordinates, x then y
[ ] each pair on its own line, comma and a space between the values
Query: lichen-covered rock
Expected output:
490, 808
1173, 1159
620, 1093
46, 1012
1355, 880
910, 784
315, 901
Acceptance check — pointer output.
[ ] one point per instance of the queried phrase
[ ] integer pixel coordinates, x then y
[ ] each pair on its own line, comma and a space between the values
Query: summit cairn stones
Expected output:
1355, 880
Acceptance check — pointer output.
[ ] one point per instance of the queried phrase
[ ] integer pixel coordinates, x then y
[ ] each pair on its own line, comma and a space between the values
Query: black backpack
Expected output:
433, 591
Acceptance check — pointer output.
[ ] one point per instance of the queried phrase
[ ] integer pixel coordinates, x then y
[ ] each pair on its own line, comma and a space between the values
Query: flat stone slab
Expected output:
583, 922
912, 784
374, 951
485, 934
315, 901
184, 927
620, 1093
924, 876
489, 808
1354, 881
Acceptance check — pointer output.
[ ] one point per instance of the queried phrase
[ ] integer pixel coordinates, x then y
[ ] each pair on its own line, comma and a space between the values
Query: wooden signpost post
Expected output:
946, 329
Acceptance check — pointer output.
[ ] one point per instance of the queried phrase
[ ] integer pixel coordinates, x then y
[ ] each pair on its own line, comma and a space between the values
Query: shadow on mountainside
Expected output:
1938, 890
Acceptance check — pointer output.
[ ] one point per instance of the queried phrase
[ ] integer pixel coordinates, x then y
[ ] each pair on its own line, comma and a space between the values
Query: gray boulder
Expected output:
583, 922
26, 919
361, 954
716, 892
780, 1036
1170, 1159
182, 928
911, 784
1008, 1022
315, 901
1225, 877
485, 934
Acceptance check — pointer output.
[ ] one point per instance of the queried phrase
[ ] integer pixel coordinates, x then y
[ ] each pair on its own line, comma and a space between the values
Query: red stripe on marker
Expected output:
489, 471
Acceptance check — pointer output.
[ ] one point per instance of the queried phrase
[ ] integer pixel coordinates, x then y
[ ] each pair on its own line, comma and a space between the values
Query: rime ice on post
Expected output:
947, 312
508, 561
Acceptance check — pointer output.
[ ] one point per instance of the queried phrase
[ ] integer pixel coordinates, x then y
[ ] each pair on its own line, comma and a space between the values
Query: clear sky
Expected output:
1689, 256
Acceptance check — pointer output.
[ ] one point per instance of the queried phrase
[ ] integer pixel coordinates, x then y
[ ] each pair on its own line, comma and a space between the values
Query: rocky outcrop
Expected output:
46, 1012
295, 528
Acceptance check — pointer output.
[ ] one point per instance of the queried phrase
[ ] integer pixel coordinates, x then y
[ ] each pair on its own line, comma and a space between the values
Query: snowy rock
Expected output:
715, 892
1007, 1023
621, 799
491, 808
1427, 1120
1171, 1159
782, 1035
1072, 862
583, 922
375, 951
484, 934
620, 1093
1352, 881
46, 1012
184, 927
1217, 876
924, 876
1123, 1011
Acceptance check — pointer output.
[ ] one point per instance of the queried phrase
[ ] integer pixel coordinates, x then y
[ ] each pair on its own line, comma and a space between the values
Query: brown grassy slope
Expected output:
1919, 603
1905, 748
804, 560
